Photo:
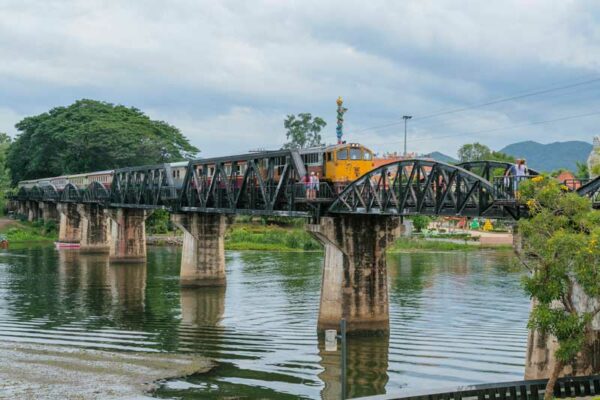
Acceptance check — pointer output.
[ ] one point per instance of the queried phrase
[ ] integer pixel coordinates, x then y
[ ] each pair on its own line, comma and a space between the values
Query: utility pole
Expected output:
406, 118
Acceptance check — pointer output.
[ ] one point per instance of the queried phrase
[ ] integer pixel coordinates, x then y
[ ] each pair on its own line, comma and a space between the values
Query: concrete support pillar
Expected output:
203, 254
22, 208
69, 230
94, 229
128, 235
355, 273
49, 211
33, 211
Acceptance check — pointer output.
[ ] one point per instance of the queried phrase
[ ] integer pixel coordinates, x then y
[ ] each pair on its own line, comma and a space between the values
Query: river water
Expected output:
456, 318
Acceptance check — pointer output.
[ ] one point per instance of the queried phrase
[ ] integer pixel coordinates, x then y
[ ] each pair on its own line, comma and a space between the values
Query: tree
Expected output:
478, 152
91, 135
582, 171
561, 250
303, 131
420, 222
5, 142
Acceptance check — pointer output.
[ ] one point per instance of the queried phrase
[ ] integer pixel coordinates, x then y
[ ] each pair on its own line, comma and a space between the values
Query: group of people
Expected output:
311, 185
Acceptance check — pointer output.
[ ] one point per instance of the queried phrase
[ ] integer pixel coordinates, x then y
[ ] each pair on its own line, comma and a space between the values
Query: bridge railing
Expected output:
506, 188
574, 184
325, 191
567, 387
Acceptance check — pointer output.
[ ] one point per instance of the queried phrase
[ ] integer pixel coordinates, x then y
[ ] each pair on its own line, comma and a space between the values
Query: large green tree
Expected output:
561, 250
478, 152
91, 135
303, 130
5, 142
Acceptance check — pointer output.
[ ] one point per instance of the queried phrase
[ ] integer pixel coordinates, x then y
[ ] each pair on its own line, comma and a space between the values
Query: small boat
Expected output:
65, 245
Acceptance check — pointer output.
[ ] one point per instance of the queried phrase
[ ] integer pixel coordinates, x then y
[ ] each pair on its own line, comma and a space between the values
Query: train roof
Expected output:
331, 147
108, 171
179, 164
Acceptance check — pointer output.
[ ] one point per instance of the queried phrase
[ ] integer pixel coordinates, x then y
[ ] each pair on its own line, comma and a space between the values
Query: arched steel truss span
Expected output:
417, 186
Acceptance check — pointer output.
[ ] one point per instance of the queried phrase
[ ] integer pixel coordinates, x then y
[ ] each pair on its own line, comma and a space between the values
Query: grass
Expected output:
269, 238
21, 232
406, 245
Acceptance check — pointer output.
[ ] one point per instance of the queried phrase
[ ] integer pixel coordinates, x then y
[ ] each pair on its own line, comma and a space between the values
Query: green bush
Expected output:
50, 227
261, 237
420, 222
159, 222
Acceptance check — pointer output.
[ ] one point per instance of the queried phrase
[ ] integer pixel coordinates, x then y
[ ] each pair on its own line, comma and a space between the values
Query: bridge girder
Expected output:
416, 186
261, 184
268, 183
144, 187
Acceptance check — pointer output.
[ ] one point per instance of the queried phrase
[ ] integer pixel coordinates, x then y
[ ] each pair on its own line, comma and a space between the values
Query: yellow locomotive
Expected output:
338, 164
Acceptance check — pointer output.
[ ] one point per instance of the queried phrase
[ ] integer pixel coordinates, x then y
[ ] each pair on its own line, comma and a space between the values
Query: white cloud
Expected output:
260, 60
8, 119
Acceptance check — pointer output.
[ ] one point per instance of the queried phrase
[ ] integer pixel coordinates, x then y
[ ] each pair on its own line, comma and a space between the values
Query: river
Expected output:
456, 318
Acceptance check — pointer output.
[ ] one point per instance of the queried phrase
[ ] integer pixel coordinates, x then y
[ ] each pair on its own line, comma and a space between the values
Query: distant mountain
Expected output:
437, 156
551, 156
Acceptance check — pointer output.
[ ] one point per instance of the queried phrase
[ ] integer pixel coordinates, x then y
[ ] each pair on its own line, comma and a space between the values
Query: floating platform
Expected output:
64, 245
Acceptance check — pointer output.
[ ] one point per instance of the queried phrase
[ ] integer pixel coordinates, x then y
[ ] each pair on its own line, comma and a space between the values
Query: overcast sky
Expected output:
227, 72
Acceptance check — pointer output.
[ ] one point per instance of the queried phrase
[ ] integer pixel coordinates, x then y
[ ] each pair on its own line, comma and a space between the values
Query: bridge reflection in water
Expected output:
367, 367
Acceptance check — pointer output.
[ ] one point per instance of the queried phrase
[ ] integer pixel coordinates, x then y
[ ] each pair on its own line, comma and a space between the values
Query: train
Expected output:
103, 177
334, 164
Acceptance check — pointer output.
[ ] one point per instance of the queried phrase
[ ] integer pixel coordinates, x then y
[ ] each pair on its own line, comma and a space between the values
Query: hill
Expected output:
437, 156
551, 156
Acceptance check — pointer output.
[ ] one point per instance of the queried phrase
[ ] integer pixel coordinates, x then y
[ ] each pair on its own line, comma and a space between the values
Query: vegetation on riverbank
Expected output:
269, 238
419, 244
23, 231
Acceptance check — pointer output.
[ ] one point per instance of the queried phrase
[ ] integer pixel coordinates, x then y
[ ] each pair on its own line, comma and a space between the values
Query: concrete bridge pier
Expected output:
203, 254
22, 208
49, 211
128, 235
94, 229
69, 230
354, 283
33, 211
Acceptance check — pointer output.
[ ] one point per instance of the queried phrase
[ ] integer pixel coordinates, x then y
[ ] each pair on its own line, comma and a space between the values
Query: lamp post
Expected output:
406, 118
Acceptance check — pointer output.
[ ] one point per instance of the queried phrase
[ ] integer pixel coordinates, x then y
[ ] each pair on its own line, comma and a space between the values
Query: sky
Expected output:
227, 73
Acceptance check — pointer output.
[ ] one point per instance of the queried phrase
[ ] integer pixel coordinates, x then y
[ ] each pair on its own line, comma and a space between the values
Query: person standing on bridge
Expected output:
517, 172
306, 183
315, 184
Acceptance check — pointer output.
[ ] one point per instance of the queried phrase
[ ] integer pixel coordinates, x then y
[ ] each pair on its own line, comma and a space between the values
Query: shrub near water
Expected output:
32, 232
252, 237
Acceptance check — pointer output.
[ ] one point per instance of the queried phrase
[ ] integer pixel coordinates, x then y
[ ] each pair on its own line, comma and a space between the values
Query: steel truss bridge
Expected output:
271, 185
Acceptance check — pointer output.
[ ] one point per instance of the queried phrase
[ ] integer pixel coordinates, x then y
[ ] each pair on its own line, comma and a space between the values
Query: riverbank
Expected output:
417, 244
28, 232
32, 371
248, 236
265, 237
276, 238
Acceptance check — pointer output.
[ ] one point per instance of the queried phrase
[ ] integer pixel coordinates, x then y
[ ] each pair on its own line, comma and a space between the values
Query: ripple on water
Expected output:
455, 318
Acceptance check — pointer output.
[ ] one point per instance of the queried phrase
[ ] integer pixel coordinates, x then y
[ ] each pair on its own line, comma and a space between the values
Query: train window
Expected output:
329, 156
355, 154
367, 156
342, 154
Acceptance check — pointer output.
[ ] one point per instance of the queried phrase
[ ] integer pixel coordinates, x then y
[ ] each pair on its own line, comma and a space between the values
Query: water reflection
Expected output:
128, 288
366, 369
202, 306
